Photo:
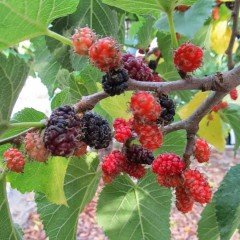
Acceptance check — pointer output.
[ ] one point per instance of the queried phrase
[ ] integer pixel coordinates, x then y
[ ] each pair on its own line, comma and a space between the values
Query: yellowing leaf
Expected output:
213, 131
220, 37
189, 108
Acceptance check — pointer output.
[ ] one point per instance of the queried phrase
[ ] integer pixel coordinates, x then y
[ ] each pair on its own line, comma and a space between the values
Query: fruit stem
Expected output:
59, 37
172, 30
27, 125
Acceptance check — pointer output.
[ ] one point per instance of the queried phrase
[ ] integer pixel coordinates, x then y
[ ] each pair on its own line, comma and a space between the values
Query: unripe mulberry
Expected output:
138, 154
35, 147
115, 82
184, 201
145, 106
96, 131
134, 170
170, 181
234, 94
105, 54
150, 136
14, 160
198, 186
122, 130
168, 164
62, 132
201, 151
82, 40
188, 57
113, 163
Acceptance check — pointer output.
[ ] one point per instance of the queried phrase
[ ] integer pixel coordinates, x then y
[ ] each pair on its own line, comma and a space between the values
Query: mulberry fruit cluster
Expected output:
146, 110
14, 159
115, 82
220, 106
190, 185
117, 162
188, 57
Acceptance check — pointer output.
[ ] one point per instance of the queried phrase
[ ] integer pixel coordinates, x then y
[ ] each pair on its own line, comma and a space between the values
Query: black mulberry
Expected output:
96, 131
138, 154
115, 82
168, 110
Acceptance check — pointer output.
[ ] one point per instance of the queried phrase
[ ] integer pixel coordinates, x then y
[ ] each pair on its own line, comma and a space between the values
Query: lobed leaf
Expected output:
135, 211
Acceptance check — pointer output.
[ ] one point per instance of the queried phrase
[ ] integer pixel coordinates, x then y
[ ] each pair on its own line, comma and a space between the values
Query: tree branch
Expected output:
229, 50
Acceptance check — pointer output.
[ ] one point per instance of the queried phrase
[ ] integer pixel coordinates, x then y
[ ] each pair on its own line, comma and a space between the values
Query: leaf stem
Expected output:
172, 30
27, 125
59, 37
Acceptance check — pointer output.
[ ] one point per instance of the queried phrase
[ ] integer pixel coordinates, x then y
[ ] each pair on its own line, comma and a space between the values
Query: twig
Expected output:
229, 50
220, 82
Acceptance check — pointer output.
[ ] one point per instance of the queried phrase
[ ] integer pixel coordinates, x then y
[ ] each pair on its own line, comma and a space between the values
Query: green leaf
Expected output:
62, 98
113, 107
80, 185
46, 65
228, 203
25, 115
232, 114
145, 33
13, 73
208, 225
137, 6
199, 11
47, 178
23, 20
135, 211
85, 82
173, 142
7, 228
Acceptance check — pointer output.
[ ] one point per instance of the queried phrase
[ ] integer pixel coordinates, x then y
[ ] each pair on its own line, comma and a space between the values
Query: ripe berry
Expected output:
188, 57
115, 82
198, 186
168, 110
169, 181
35, 147
138, 154
152, 64
14, 160
113, 163
62, 132
80, 150
137, 68
145, 106
234, 94
156, 78
96, 131
82, 40
201, 151
184, 201
168, 164
150, 136
105, 54
122, 130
